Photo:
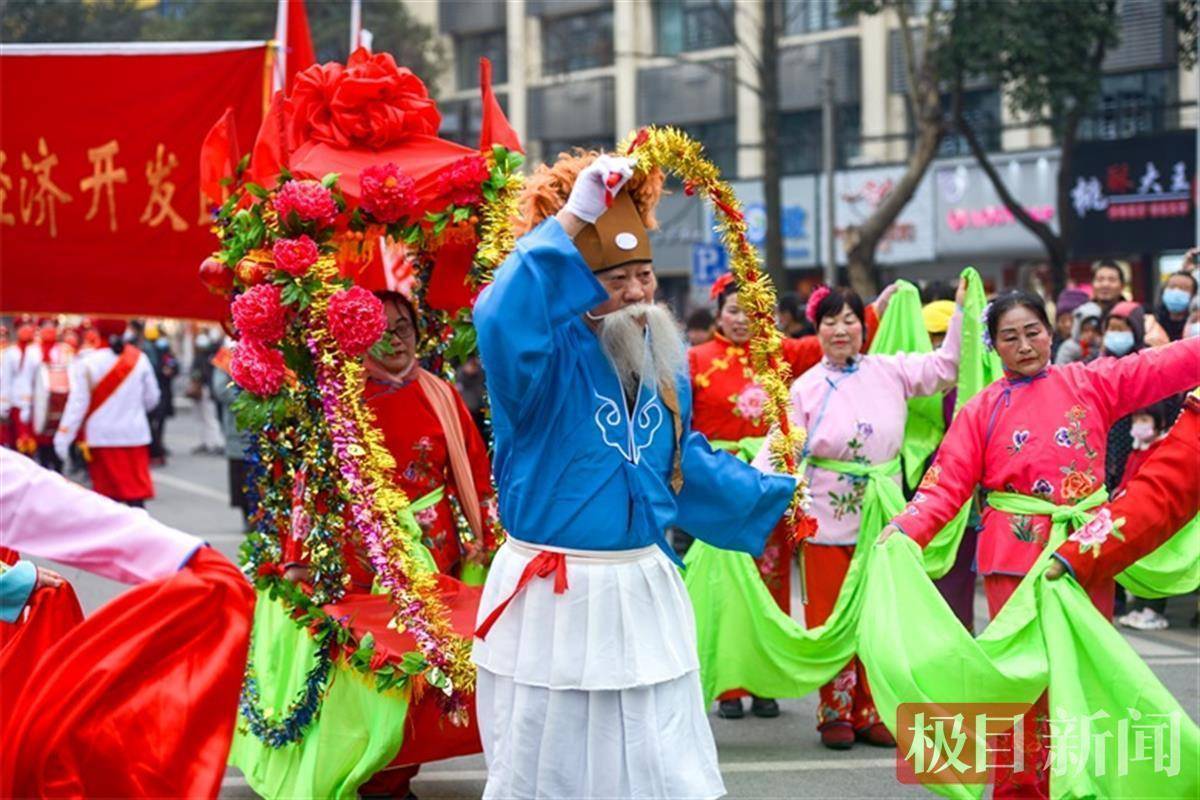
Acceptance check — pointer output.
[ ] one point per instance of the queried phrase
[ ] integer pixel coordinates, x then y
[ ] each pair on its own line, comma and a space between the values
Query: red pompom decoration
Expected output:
259, 314
356, 320
814, 300
311, 201
295, 256
388, 195
461, 184
257, 368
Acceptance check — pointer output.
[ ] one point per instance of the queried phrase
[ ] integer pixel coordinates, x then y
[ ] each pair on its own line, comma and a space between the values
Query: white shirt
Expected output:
17, 372
121, 420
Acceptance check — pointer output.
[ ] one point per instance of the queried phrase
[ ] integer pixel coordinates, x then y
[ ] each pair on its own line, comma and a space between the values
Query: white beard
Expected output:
624, 341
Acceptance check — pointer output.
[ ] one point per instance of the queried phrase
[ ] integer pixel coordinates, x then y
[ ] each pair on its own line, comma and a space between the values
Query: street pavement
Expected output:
779, 758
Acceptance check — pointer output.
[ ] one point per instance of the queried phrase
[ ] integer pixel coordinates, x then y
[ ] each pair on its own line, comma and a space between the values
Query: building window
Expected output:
800, 138
469, 48
810, 16
686, 25
981, 107
579, 41
551, 148
720, 143
1132, 104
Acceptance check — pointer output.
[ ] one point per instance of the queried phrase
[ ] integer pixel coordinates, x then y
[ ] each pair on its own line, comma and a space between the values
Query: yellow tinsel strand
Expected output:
496, 238
677, 153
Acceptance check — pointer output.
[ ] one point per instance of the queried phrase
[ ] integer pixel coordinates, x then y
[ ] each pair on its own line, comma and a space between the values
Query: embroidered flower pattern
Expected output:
1097, 531
851, 502
931, 478
1019, 438
1076, 484
750, 403
1025, 529
1073, 434
1043, 488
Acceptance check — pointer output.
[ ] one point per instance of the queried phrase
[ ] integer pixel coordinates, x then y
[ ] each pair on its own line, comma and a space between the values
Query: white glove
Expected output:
597, 185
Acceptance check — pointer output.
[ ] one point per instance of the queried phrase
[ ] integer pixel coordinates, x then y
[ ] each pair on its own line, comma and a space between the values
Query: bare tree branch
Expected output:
910, 66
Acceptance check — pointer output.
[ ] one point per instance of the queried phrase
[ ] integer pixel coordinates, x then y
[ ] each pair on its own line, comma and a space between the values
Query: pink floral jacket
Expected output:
1043, 436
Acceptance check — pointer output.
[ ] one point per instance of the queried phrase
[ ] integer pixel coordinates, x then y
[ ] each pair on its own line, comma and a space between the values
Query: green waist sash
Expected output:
745, 448
1063, 519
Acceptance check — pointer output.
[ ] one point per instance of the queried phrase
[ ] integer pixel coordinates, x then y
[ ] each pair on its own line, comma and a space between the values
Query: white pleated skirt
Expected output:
595, 692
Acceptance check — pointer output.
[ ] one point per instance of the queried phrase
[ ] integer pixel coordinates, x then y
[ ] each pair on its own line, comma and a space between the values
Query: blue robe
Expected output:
575, 467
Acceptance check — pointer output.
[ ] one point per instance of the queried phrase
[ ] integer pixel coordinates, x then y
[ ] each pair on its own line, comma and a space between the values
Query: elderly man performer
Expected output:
586, 647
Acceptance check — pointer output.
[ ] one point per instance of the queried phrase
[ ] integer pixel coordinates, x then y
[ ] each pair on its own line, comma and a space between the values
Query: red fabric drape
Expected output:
50, 616
140, 699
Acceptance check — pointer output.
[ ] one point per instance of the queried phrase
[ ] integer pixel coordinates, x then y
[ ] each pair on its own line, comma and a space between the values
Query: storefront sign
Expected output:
972, 221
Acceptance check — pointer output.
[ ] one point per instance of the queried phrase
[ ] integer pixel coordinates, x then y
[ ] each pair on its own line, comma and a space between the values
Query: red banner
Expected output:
100, 206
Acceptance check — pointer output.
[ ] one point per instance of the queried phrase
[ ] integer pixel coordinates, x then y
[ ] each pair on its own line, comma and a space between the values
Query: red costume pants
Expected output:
847, 698
1033, 781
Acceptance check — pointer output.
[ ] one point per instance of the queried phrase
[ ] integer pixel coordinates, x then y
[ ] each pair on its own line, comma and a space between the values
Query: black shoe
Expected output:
764, 707
731, 709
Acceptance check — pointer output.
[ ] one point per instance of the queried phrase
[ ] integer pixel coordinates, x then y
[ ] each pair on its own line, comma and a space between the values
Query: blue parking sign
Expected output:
709, 262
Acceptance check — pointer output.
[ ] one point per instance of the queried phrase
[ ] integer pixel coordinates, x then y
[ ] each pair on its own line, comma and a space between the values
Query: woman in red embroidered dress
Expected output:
1040, 431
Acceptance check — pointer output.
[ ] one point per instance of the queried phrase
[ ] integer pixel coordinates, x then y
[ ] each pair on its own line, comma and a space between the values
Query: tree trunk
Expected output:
862, 240
772, 190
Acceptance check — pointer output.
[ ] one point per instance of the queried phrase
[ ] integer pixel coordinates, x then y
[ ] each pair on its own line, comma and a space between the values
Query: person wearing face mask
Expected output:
855, 408
1146, 432
1174, 303
1037, 439
1123, 336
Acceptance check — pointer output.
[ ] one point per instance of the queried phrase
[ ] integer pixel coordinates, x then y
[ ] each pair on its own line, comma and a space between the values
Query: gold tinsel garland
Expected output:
496, 238
674, 151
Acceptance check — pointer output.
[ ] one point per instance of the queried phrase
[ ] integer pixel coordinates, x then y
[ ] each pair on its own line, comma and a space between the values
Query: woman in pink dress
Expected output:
1040, 431
854, 408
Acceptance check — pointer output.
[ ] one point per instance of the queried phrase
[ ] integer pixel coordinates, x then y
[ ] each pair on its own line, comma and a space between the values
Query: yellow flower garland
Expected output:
674, 151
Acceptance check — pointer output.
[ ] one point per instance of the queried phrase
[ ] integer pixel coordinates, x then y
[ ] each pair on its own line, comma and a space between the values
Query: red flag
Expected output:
218, 158
300, 53
494, 128
270, 150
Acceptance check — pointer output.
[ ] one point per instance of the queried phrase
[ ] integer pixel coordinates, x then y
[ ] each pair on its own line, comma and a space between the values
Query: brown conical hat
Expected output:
617, 238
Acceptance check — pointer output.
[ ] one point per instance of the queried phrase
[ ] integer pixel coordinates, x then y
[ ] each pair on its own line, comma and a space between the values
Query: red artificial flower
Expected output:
295, 256
370, 103
259, 314
311, 201
388, 195
257, 368
461, 184
720, 285
356, 320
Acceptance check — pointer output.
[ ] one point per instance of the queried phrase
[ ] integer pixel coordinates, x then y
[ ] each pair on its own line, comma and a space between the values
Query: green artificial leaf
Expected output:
330, 180
440, 225
489, 193
382, 349
285, 175
412, 662
461, 214
241, 166
257, 191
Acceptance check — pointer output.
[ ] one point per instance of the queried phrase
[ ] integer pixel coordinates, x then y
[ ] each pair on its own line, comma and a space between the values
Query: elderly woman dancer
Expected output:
854, 408
1035, 441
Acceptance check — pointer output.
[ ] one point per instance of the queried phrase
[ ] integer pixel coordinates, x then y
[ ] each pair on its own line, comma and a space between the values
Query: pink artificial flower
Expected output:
389, 195
257, 368
295, 256
462, 182
845, 680
814, 300
356, 320
259, 313
311, 201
